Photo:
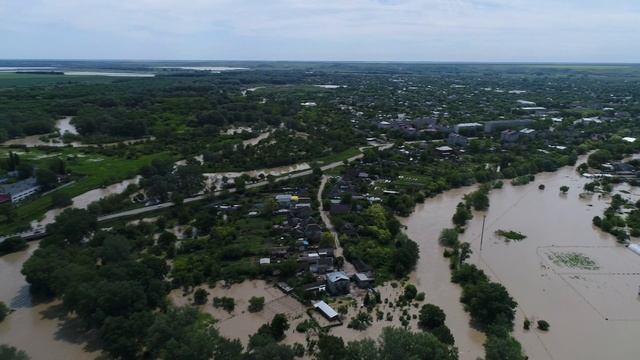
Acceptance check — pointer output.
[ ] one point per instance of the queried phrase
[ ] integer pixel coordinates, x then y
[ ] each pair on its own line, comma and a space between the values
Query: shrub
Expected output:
200, 297
4, 311
361, 321
543, 325
410, 292
256, 304
226, 303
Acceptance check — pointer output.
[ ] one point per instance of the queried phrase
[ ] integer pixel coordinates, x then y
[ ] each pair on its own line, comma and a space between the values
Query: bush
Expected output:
449, 237
61, 199
4, 311
431, 317
200, 297
256, 304
361, 321
11, 245
10, 353
226, 303
543, 325
410, 292
420, 296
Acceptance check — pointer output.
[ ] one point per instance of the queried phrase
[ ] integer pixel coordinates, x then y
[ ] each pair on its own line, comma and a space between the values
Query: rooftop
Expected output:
325, 309
18, 187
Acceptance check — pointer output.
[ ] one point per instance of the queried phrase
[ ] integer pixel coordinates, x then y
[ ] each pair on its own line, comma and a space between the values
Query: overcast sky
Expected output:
371, 30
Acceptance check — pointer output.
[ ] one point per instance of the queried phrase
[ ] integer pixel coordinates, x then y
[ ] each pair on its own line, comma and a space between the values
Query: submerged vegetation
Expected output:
572, 260
510, 235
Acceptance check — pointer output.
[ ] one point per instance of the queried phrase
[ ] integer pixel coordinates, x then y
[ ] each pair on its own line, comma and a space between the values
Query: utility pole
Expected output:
484, 217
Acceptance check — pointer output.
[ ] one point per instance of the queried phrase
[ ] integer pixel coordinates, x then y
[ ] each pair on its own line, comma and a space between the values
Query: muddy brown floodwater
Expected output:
40, 329
594, 314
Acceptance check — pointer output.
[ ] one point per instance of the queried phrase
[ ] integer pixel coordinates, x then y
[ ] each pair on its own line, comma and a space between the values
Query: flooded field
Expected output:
218, 179
62, 126
594, 311
240, 323
40, 329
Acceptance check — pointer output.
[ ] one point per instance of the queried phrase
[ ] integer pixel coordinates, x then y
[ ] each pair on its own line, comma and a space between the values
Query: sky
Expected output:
323, 30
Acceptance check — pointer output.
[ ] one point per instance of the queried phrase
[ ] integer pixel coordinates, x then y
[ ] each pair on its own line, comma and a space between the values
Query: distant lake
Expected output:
107, 73
204, 68
25, 68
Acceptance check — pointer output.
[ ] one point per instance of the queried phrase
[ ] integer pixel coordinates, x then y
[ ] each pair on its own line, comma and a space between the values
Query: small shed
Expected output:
284, 287
362, 280
326, 310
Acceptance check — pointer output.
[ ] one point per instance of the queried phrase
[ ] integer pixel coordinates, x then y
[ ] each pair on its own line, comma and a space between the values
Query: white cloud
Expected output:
328, 22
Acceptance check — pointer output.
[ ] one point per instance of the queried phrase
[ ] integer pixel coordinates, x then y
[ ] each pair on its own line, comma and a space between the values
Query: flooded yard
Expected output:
594, 311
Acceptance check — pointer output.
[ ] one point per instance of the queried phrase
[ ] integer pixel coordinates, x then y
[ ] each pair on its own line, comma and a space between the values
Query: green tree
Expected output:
449, 237
543, 325
331, 348
200, 296
12, 244
362, 349
489, 303
410, 292
10, 353
398, 343
61, 199
564, 189
73, 225
256, 303
503, 348
326, 240
4, 311
46, 178
431, 317
279, 325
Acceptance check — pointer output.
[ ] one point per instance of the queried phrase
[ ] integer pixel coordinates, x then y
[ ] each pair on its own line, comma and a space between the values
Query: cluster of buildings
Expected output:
410, 126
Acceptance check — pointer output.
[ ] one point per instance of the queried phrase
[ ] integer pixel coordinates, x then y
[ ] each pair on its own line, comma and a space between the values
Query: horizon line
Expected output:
434, 62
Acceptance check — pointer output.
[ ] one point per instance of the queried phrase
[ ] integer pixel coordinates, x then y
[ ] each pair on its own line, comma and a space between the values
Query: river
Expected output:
39, 329
594, 314
83, 200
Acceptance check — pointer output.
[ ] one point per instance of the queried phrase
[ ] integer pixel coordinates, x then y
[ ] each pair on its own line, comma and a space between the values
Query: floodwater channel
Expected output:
594, 313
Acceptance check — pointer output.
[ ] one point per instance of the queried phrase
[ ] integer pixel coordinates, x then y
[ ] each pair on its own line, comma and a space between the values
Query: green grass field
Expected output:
91, 174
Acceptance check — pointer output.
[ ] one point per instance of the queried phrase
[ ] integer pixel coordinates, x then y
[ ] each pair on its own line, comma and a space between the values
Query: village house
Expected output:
362, 280
338, 283
509, 136
456, 139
